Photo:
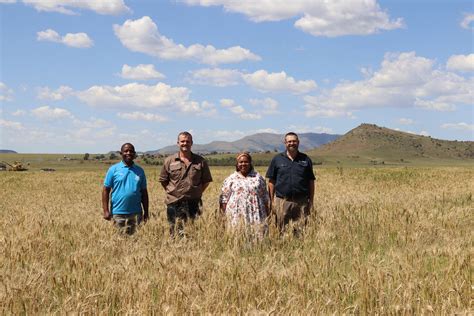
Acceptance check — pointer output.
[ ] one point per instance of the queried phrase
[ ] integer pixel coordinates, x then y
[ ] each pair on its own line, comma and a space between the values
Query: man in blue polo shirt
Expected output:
126, 183
291, 185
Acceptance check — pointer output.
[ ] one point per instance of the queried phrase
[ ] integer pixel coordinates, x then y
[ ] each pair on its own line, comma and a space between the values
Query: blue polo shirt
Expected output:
127, 184
291, 178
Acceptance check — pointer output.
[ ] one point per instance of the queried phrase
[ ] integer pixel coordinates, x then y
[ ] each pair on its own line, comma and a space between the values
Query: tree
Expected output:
112, 156
86, 156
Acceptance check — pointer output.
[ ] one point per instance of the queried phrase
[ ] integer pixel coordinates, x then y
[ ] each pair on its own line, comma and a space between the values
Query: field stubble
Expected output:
385, 240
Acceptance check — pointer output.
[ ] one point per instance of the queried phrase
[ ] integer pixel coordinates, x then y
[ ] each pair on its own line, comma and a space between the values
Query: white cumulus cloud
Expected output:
406, 121
239, 110
277, 82
77, 40
316, 17
140, 116
19, 112
48, 113
45, 93
141, 72
403, 80
142, 35
267, 105
214, 77
459, 126
6, 94
142, 96
467, 21
461, 63
11, 125
107, 7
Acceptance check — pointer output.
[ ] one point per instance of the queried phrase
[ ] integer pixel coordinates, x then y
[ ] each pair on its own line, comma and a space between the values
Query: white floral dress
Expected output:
245, 197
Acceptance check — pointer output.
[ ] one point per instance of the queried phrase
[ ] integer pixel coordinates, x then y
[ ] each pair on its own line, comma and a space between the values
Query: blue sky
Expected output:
86, 76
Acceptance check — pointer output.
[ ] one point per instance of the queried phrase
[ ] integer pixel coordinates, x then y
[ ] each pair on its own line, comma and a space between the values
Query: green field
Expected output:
381, 240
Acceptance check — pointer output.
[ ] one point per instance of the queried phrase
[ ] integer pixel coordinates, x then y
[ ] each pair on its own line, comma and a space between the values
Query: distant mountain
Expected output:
373, 142
260, 142
7, 151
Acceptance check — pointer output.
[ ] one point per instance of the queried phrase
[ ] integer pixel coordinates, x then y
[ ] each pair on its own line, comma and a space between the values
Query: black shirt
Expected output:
291, 178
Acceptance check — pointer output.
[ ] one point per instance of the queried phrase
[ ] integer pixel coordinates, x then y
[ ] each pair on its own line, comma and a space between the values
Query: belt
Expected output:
293, 197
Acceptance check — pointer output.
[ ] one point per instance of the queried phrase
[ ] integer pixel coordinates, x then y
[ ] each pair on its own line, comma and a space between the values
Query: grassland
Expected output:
380, 241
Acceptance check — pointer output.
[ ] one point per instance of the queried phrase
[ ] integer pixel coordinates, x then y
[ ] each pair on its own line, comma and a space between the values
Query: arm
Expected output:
271, 193
145, 204
311, 194
105, 203
204, 186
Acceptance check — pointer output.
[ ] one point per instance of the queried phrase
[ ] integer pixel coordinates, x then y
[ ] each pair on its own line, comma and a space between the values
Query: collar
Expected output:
124, 165
176, 157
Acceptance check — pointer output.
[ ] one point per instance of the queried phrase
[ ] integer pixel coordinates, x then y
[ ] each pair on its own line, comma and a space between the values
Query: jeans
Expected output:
179, 212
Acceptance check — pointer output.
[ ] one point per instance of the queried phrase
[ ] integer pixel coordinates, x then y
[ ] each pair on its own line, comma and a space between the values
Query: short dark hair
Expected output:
187, 134
291, 134
129, 144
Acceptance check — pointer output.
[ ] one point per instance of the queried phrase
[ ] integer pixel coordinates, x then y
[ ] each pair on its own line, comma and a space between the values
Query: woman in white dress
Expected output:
244, 197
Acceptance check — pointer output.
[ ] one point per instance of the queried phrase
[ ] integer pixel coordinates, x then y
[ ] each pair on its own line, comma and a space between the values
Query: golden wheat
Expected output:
380, 240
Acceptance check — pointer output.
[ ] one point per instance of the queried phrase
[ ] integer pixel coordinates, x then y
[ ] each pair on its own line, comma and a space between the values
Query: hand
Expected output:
107, 215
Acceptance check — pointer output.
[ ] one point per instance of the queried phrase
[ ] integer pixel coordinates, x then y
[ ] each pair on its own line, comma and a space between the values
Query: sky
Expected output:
82, 76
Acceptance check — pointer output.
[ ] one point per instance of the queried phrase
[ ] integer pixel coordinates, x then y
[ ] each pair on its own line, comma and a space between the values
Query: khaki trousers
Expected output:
295, 211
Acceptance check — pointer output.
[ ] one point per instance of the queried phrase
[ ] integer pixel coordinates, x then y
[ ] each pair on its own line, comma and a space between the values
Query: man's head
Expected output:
185, 142
127, 151
292, 142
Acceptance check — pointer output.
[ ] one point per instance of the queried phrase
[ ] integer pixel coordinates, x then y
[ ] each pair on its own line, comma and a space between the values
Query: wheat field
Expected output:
380, 241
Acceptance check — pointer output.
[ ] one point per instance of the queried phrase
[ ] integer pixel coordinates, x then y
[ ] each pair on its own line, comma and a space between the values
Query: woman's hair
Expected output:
241, 154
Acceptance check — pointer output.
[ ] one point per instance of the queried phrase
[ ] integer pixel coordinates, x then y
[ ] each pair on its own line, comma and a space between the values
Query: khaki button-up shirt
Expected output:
184, 182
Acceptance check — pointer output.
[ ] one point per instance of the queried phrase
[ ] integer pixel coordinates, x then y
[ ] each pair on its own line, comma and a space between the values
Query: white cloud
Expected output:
6, 94
140, 116
461, 63
310, 129
277, 82
458, 126
403, 80
267, 105
61, 93
434, 105
141, 72
93, 123
11, 125
7, 1
47, 113
316, 17
113, 7
77, 40
239, 110
406, 121
467, 21
214, 77
19, 113
142, 35
142, 96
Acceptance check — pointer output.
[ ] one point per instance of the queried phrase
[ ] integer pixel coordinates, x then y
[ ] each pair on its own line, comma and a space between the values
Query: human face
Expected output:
185, 143
292, 143
128, 154
243, 165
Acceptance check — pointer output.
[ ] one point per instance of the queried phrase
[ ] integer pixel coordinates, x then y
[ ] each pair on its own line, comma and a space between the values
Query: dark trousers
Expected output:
179, 212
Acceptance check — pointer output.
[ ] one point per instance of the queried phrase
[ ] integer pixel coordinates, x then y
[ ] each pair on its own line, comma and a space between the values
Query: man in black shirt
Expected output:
291, 184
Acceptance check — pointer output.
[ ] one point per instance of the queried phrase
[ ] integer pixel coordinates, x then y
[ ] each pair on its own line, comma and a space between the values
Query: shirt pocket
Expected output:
175, 171
196, 173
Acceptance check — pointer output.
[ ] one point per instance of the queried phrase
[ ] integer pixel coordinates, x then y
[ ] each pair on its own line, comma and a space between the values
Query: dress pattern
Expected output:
246, 198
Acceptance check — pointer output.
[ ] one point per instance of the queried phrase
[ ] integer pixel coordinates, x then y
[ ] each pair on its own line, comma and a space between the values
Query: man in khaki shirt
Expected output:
184, 176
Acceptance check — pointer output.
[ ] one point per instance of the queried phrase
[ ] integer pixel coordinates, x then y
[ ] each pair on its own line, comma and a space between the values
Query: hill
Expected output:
7, 151
373, 143
260, 142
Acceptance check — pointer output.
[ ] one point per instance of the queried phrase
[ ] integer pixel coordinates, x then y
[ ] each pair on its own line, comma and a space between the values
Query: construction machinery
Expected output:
16, 166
